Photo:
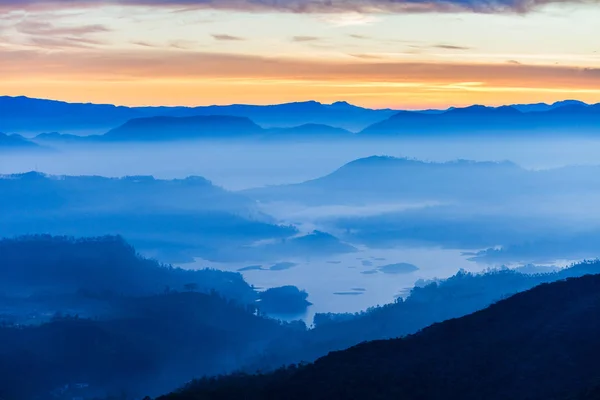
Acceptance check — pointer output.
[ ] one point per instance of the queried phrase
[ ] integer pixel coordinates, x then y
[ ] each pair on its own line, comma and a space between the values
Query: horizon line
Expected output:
449, 107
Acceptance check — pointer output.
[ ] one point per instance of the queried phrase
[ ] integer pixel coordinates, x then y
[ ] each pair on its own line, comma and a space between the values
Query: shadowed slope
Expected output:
540, 344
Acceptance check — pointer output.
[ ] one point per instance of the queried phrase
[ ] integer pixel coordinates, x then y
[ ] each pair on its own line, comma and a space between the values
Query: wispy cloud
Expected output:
305, 39
35, 27
227, 38
183, 44
159, 76
149, 64
450, 47
361, 37
367, 56
48, 35
315, 6
61, 43
174, 44
348, 18
417, 48
144, 44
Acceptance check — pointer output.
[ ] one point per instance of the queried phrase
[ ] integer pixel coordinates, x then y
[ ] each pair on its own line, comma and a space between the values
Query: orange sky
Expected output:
140, 55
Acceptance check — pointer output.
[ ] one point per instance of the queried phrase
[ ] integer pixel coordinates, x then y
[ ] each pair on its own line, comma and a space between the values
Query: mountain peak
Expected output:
380, 161
568, 103
342, 104
303, 103
15, 141
178, 128
481, 109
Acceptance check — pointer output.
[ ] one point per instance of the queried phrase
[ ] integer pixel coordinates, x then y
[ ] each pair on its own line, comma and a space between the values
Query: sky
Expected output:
411, 54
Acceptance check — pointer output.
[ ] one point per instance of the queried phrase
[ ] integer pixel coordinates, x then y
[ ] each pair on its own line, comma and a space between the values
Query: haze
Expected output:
299, 199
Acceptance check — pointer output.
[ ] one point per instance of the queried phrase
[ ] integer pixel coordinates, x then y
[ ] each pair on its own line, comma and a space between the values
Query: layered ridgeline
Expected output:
52, 265
292, 120
184, 128
308, 132
569, 117
177, 219
540, 344
88, 318
198, 128
381, 179
384, 179
22, 114
212, 127
427, 303
16, 142
517, 214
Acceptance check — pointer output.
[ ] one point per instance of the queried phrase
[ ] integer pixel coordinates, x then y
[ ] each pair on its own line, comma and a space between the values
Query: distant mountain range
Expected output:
308, 131
27, 115
163, 217
212, 127
15, 141
546, 106
571, 117
340, 114
95, 193
182, 128
514, 214
284, 121
176, 219
383, 180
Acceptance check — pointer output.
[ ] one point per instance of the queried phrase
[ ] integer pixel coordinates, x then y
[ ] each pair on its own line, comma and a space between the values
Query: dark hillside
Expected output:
539, 344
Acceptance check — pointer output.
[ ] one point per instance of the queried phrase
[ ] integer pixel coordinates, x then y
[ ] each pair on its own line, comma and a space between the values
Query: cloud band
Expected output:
314, 6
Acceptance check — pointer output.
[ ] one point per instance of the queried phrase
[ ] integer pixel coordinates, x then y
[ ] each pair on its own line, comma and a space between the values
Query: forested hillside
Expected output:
540, 344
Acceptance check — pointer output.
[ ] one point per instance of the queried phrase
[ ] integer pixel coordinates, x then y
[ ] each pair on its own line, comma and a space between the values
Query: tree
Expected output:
191, 287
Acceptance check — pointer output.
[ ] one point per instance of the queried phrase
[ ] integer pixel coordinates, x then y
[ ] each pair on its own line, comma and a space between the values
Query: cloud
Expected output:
450, 47
144, 44
174, 44
42, 28
168, 76
315, 6
305, 39
417, 48
149, 64
592, 71
352, 18
63, 43
366, 56
182, 44
43, 34
227, 38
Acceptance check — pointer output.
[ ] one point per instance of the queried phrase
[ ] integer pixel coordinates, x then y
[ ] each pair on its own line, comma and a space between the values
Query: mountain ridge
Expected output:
478, 119
370, 178
516, 348
14, 141
181, 128
29, 115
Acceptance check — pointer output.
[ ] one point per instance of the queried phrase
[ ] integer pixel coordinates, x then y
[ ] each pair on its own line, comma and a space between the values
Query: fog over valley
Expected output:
253, 246
238, 165
513, 204
299, 200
